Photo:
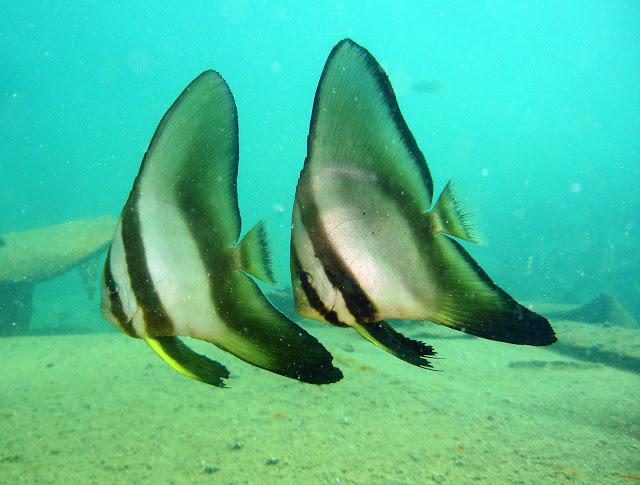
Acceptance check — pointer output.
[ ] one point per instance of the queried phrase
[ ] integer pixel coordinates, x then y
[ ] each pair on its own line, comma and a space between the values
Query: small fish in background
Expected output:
426, 86
176, 266
364, 245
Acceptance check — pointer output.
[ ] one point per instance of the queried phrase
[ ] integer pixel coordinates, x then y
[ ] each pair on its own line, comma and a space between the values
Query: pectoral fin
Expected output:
189, 363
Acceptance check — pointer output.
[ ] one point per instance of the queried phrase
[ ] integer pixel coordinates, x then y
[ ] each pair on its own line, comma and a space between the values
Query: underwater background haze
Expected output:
533, 108
538, 120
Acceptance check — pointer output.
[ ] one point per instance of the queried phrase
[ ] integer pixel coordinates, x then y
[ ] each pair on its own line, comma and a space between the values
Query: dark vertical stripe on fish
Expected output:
116, 300
157, 321
357, 301
218, 262
312, 295
207, 249
337, 271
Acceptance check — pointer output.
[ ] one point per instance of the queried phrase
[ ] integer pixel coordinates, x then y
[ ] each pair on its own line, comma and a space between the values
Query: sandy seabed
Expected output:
104, 409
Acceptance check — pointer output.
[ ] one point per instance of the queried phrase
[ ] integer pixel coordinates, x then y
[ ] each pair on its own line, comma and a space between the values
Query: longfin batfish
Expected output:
365, 247
175, 266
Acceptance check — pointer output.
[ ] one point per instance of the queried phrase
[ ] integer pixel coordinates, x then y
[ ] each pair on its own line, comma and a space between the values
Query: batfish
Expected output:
365, 247
176, 266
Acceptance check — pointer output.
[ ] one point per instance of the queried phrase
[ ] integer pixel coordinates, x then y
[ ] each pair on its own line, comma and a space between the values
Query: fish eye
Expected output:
305, 279
113, 289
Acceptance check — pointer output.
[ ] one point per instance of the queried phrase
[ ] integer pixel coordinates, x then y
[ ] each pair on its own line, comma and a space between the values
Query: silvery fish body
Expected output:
366, 245
176, 265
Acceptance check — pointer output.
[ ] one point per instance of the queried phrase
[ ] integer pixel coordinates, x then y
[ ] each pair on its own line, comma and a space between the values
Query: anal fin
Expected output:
258, 333
384, 336
189, 363
471, 302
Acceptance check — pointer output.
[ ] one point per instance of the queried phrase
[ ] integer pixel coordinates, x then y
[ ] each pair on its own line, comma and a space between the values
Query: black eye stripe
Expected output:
116, 306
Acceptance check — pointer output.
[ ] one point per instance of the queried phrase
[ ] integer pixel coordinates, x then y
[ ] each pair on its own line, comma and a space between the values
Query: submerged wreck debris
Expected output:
29, 257
603, 310
599, 331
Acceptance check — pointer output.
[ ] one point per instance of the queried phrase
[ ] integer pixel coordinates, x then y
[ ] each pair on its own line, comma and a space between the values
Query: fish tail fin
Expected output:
255, 254
451, 216
189, 363
384, 336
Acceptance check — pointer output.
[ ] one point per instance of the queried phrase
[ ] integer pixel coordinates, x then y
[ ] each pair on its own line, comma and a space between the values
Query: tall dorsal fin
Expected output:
356, 122
192, 160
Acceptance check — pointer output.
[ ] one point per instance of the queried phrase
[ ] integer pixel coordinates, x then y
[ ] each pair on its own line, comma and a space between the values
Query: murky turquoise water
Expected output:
532, 107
